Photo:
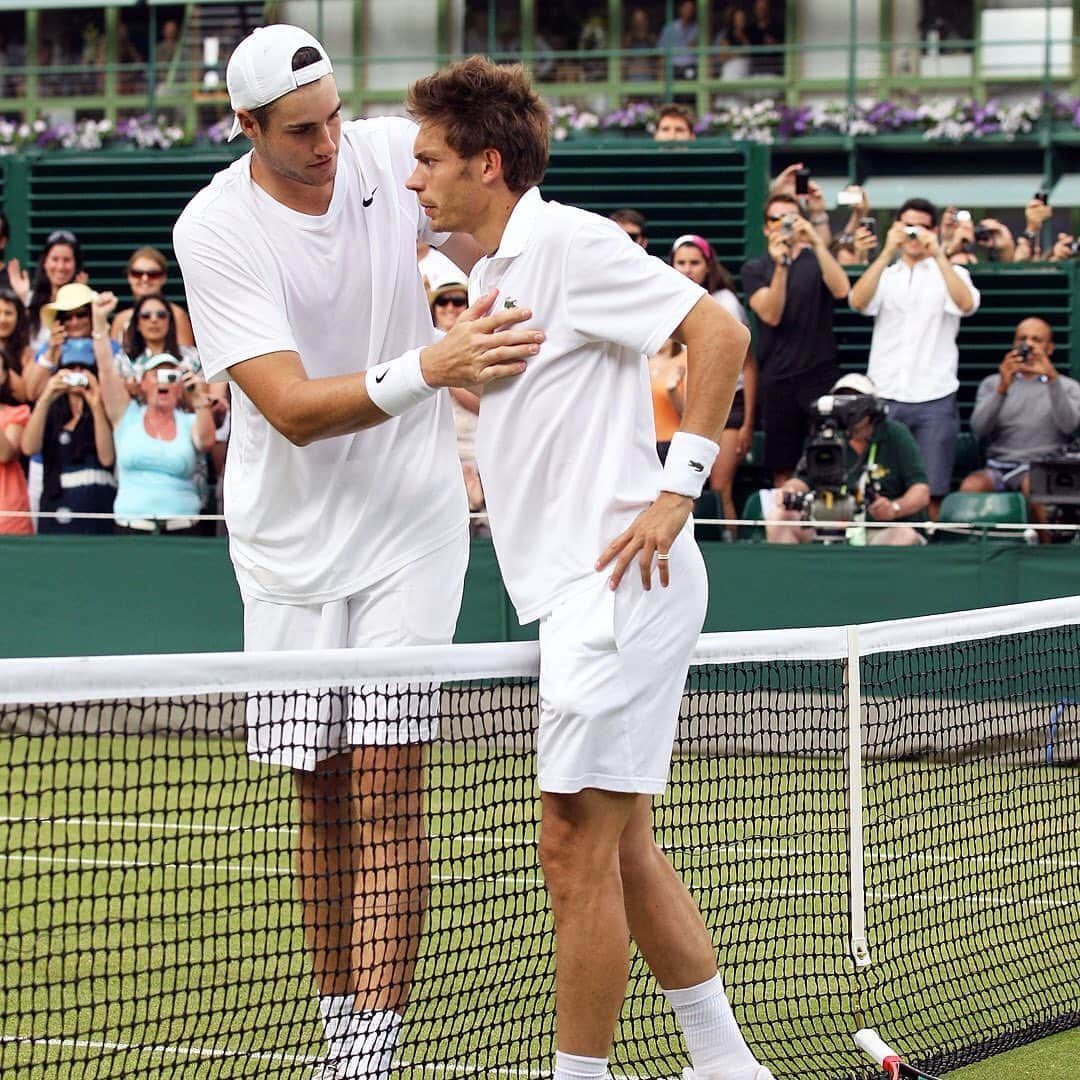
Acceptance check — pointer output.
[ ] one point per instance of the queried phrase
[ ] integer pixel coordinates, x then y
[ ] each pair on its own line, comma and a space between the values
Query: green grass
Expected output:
149, 903
1054, 1058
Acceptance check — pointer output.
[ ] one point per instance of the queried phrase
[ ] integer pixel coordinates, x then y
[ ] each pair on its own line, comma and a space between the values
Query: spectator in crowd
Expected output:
639, 39
147, 272
917, 303
60, 264
634, 225
792, 290
15, 352
732, 36
962, 237
1032, 244
667, 378
448, 300
1064, 248
884, 475
1025, 412
158, 439
168, 43
693, 256
13, 494
766, 28
434, 265
71, 431
856, 243
674, 123
678, 39
5, 236
812, 204
152, 329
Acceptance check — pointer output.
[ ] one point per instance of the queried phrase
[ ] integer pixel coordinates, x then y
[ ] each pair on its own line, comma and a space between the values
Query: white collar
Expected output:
519, 225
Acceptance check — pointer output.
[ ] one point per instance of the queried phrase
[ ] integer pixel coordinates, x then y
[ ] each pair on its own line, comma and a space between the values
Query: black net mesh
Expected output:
155, 923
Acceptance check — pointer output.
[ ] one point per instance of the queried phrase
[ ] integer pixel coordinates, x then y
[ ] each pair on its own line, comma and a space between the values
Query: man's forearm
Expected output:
862, 292
959, 292
916, 498
986, 411
771, 305
832, 273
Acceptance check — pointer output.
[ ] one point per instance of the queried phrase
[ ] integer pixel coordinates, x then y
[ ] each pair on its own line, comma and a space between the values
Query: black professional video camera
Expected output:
832, 418
1055, 481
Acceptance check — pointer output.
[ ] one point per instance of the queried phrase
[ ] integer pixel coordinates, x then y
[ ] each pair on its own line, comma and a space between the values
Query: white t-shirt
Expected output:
320, 522
567, 450
730, 303
913, 352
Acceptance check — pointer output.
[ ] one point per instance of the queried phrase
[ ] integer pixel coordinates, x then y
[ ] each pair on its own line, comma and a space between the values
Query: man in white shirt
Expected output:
567, 458
917, 303
343, 496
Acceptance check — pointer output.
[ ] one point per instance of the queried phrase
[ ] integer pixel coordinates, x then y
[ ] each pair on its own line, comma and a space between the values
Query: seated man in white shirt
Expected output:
917, 302
573, 485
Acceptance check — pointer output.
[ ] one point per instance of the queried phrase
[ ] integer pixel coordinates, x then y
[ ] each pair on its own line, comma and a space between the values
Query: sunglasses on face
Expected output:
149, 275
156, 313
457, 301
776, 217
78, 313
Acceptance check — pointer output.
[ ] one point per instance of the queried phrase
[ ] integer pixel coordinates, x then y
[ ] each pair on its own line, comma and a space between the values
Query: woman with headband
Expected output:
693, 256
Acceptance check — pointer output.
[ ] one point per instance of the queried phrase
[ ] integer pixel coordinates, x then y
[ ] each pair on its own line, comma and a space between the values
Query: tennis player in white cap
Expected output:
343, 496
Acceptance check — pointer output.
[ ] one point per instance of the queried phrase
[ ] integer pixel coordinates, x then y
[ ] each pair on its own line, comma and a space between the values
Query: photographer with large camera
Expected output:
857, 465
1026, 412
917, 302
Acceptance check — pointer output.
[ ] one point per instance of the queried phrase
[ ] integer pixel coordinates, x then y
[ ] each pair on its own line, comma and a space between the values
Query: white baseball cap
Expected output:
856, 384
260, 68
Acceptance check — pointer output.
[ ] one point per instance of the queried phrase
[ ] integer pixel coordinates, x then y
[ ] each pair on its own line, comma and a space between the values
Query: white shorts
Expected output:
417, 605
612, 671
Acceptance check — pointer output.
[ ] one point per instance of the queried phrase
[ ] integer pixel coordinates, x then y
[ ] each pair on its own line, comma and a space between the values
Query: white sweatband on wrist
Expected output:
397, 385
689, 461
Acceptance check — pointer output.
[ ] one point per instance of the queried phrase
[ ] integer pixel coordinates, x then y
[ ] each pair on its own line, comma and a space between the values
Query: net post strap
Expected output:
860, 953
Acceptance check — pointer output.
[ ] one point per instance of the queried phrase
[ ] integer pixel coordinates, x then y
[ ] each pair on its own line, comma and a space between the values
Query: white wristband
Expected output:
689, 461
397, 385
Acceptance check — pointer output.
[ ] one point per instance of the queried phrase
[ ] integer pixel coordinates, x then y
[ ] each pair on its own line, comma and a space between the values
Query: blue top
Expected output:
156, 477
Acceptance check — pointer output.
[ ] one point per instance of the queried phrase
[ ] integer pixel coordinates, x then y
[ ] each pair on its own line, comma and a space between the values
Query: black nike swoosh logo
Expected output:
379, 378
369, 200
693, 464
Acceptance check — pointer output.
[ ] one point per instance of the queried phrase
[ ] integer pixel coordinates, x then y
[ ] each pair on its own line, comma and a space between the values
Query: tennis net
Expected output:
878, 822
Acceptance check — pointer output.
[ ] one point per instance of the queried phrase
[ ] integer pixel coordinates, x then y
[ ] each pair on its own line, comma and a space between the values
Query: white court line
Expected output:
874, 855
748, 891
292, 1059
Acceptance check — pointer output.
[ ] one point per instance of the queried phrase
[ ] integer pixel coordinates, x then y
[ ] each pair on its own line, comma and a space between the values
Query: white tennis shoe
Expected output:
761, 1074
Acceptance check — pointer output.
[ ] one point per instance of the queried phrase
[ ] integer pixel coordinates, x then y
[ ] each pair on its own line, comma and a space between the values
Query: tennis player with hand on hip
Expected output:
344, 501
586, 524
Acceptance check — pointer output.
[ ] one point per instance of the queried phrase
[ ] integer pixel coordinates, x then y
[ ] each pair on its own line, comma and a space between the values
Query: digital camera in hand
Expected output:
168, 376
75, 378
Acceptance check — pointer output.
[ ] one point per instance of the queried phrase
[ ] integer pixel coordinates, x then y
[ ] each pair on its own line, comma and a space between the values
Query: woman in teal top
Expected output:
157, 441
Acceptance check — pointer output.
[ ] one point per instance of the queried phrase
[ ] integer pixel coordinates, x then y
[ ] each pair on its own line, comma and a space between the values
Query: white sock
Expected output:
572, 1067
374, 1038
712, 1036
337, 1018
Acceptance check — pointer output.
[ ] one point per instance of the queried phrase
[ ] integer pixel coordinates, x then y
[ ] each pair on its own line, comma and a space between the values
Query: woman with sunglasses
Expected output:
15, 352
448, 301
147, 271
60, 264
693, 256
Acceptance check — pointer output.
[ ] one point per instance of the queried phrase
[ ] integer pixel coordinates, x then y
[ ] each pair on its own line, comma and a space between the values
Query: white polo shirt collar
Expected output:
519, 226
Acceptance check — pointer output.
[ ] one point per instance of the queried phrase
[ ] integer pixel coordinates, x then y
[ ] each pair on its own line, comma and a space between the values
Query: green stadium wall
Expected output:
120, 595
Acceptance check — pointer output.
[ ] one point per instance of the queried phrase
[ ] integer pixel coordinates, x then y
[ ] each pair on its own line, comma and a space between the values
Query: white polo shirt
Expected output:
567, 450
321, 522
913, 353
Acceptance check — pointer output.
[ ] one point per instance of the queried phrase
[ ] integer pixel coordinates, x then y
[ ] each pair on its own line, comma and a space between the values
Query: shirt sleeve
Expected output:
234, 310
950, 305
615, 292
873, 305
754, 277
988, 404
1065, 404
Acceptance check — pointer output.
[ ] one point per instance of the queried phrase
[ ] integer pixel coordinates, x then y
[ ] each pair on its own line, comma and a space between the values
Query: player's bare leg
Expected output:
668, 928
579, 844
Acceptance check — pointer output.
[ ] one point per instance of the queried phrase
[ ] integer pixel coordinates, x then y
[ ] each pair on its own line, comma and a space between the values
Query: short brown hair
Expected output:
779, 196
480, 106
679, 111
150, 253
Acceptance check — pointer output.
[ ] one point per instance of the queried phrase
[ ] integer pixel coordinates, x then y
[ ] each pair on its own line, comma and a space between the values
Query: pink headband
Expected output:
698, 241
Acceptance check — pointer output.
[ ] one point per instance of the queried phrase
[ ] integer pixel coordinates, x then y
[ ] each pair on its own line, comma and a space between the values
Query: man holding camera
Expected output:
1026, 412
876, 473
917, 302
792, 290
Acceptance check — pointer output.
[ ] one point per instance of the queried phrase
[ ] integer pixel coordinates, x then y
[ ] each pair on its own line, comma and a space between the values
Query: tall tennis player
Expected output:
585, 524
343, 495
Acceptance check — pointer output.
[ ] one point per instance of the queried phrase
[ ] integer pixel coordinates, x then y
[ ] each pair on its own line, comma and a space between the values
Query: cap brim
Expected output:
235, 128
